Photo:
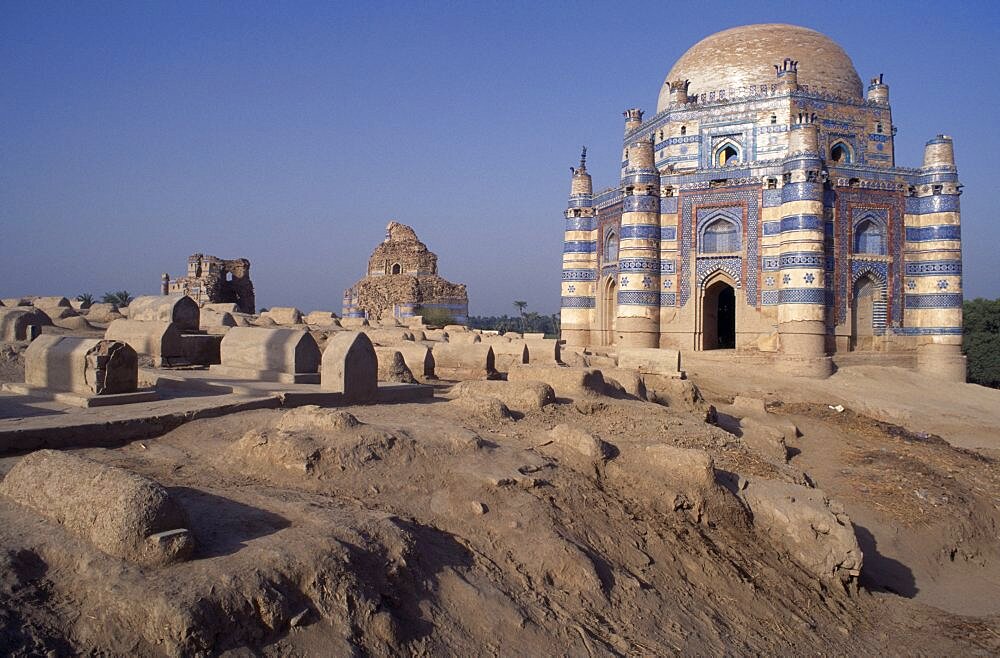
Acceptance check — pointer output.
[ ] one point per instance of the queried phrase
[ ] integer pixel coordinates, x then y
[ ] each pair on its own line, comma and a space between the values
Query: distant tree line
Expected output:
981, 340
525, 322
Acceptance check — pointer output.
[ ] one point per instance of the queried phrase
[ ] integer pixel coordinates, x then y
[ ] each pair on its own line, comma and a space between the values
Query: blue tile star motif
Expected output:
786, 278
624, 281
911, 284
646, 282
571, 288
769, 281
942, 285
809, 278
668, 284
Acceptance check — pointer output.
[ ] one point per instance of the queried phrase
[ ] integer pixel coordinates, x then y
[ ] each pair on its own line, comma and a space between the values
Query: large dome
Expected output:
744, 56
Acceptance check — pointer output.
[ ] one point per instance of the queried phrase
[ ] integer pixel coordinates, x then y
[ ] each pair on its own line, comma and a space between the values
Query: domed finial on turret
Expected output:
878, 91
583, 159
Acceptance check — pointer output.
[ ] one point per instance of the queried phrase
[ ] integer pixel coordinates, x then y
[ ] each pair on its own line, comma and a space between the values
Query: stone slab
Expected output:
80, 399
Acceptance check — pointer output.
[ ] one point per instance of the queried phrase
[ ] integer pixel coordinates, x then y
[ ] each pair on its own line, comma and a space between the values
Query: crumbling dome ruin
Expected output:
212, 280
402, 281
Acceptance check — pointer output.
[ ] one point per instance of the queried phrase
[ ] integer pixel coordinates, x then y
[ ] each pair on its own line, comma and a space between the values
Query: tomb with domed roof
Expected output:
761, 209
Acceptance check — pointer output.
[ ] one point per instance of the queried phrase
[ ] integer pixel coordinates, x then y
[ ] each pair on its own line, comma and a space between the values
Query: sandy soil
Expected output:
444, 528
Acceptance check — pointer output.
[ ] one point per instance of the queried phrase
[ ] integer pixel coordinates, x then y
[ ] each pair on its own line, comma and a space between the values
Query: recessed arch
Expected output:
727, 153
840, 153
610, 247
718, 311
397, 268
720, 233
869, 236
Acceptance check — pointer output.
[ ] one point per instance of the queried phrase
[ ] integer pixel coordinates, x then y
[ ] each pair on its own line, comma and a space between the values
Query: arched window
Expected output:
727, 155
720, 236
840, 153
610, 247
397, 268
869, 238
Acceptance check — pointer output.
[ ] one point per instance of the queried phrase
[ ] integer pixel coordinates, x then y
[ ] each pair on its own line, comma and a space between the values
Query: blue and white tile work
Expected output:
786, 185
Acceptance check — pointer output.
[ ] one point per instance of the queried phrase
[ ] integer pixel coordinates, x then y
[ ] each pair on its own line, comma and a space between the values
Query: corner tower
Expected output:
579, 267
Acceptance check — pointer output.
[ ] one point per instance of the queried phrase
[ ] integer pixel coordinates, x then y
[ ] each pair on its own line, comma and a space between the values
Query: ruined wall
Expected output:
212, 280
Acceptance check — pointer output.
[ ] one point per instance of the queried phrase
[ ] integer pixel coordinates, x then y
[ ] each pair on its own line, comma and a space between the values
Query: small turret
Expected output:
804, 137
582, 183
939, 152
640, 154
165, 284
878, 91
679, 92
788, 74
633, 119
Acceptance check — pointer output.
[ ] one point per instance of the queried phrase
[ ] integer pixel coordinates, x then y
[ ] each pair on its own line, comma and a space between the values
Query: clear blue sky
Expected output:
133, 134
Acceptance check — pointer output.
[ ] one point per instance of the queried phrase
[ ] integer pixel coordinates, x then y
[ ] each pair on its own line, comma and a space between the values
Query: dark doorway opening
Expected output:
719, 326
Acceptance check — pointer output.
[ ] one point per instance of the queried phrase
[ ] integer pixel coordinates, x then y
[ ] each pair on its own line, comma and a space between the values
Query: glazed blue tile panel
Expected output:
638, 265
638, 298
579, 275
668, 267
772, 198
641, 204
769, 297
927, 204
577, 302
802, 192
861, 267
869, 238
644, 177
729, 264
668, 205
801, 259
929, 233
800, 223
802, 296
935, 300
748, 196
668, 233
580, 201
668, 299
770, 263
930, 331
934, 268
581, 223
580, 247
639, 232
772, 228
608, 270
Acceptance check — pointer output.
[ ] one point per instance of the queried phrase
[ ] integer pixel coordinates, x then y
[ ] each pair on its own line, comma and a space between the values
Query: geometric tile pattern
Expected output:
935, 300
731, 265
638, 298
734, 198
577, 302
934, 268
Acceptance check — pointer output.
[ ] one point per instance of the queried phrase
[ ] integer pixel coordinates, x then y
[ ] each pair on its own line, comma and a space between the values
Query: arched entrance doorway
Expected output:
608, 310
718, 316
867, 295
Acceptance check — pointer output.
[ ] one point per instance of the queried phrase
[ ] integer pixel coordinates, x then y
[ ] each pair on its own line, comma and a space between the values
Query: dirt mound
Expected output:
602, 526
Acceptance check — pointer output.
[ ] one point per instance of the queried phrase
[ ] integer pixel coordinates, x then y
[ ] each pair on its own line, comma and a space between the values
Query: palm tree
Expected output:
119, 298
520, 309
86, 299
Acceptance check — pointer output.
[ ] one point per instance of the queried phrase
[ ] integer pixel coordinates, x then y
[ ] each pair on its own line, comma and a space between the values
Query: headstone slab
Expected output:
90, 366
178, 308
350, 366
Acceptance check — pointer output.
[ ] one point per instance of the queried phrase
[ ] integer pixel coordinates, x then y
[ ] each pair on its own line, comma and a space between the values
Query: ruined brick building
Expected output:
212, 280
761, 208
403, 281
